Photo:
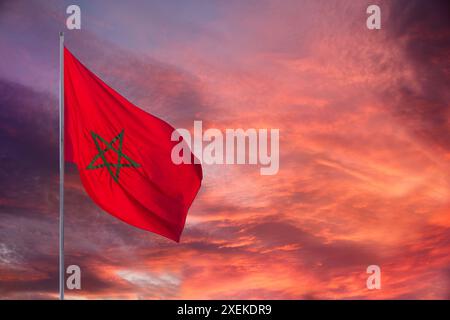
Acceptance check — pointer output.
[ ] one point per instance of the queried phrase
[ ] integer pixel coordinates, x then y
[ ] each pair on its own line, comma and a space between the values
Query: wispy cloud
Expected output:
364, 149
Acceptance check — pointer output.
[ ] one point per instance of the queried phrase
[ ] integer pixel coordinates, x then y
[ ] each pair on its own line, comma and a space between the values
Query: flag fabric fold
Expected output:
123, 155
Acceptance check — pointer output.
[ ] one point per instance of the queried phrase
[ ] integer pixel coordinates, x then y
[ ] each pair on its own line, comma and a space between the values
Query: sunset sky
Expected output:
364, 120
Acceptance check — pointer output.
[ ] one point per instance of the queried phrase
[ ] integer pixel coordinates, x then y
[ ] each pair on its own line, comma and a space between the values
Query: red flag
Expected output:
123, 155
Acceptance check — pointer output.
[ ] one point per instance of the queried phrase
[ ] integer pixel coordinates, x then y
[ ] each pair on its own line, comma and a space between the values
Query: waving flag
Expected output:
123, 155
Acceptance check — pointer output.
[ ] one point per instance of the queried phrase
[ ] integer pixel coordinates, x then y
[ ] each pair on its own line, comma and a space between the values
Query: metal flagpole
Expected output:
61, 166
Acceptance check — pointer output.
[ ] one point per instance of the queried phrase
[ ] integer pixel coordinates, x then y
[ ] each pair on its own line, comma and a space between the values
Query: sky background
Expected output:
364, 121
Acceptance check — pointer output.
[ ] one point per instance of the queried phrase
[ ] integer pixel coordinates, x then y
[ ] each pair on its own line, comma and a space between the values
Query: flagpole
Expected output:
61, 166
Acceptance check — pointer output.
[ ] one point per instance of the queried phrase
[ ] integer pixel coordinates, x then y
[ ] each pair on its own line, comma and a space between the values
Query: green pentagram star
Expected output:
110, 146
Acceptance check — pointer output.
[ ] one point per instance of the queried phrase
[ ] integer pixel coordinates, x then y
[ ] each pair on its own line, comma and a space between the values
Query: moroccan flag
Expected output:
123, 155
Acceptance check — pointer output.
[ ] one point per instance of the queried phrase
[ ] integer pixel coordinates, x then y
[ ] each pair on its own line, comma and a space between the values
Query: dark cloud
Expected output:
313, 250
422, 29
29, 154
29, 128
118, 259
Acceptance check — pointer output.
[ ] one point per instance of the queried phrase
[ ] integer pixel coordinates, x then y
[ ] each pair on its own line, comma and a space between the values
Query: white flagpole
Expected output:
61, 166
